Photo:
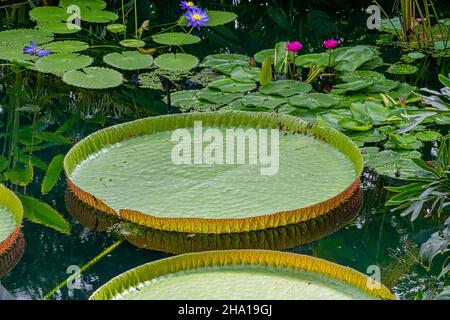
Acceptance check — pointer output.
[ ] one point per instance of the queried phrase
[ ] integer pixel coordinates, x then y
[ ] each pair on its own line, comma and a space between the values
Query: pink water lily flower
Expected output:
330, 44
294, 46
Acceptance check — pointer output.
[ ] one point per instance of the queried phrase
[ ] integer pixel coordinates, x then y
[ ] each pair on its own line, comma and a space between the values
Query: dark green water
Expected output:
375, 237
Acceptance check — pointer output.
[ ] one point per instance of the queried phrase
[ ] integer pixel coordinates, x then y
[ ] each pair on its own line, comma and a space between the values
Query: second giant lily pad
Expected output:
242, 275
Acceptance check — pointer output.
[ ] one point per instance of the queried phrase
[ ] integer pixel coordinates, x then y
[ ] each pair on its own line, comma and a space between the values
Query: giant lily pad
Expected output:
242, 274
11, 215
93, 78
176, 62
62, 62
175, 38
128, 60
116, 169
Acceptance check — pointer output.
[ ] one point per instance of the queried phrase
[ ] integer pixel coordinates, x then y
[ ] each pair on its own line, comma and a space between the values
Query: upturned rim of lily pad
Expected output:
263, 259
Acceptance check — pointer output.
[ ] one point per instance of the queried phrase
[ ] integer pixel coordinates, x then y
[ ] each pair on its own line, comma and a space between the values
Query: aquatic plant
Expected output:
330, 44
294, 46
196, 18
33, 50
216, 216
247, 268
36, 44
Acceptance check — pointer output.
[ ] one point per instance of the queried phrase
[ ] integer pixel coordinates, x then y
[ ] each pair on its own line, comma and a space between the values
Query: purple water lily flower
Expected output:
187, 5
196, 18
33, 50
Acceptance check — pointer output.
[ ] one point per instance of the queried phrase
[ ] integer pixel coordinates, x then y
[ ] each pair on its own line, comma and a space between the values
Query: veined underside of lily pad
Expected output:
241, 275
279, 238
126, 171
12, 256
11, 215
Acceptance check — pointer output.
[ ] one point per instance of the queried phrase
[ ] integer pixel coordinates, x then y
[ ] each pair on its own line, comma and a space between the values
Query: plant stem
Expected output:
135, 19
84, 268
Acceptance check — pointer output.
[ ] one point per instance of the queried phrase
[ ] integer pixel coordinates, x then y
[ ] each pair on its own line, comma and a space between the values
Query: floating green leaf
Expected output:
229, 85
401, 69
313, 101
91, 4
217, 96
261, 101
176, 62
285, 88
67, 46
245, 74
132, 43
22, 37
59, 27
116, 28
218, 18
128, 60
49, 14
62, 62
175, 38
93, 78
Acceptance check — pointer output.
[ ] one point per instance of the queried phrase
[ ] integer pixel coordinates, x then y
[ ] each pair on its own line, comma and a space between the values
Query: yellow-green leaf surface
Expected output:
242, 275
128, 169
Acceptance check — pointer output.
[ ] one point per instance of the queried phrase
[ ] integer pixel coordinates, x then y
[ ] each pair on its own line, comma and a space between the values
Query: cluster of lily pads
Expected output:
40, 49
384, 117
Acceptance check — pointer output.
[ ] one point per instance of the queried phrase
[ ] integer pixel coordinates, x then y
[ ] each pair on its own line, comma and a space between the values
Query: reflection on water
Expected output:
374, 237
176, 242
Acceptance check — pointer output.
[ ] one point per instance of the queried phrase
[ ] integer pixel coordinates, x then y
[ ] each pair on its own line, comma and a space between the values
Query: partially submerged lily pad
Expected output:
103, 167
93, 78
242, 274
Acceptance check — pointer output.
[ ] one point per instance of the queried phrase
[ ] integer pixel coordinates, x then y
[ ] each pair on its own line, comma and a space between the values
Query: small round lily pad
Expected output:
132, 43
176, 62
128, 60
175, 38
62, 62
93, 78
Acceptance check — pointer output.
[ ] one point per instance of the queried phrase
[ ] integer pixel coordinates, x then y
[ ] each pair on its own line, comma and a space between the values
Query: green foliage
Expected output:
41, 213
52, 174
180, 62
175, 38
93, 78
62, 62
128, 60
